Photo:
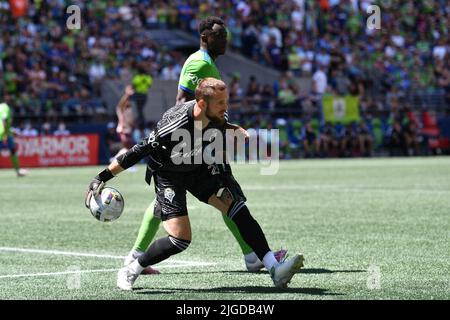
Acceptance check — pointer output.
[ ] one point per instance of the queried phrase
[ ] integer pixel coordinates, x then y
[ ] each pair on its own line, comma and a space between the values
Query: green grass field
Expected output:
369, 229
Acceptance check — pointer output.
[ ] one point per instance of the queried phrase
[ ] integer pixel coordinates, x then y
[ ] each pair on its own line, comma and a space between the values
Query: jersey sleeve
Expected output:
195, 71
146, 148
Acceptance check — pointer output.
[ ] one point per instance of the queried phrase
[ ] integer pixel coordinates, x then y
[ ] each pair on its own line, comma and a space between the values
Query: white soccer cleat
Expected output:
22, 172
283, 272
253, 263
126, 278
133, 255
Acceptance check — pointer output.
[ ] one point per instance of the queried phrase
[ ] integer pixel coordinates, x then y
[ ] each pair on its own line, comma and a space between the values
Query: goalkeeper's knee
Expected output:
178, 245
162, 249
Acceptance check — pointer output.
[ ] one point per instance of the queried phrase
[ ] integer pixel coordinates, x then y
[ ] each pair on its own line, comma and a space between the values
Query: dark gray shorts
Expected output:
202, 183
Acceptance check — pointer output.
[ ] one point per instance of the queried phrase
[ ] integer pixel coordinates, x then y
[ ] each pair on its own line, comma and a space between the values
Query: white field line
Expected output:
55, 273
336, 188
49, 274
318, 188
183, 263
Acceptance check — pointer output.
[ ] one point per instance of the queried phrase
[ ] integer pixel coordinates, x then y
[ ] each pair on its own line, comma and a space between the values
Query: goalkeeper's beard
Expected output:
213, 118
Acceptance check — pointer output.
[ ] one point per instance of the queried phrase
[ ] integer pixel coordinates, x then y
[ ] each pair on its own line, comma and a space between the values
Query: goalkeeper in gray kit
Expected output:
175, 168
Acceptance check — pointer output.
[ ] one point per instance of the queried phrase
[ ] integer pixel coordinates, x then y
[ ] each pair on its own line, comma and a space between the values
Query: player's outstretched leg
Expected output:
252, 262
147, 231
281, 272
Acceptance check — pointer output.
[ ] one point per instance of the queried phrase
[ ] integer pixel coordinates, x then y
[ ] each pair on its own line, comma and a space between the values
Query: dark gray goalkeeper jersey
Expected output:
175, 145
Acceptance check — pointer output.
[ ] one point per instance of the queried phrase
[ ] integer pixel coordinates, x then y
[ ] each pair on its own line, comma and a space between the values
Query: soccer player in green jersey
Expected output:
199, 65
7, 138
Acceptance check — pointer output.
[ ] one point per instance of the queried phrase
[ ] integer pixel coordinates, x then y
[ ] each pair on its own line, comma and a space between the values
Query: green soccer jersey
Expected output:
5, 114
198, 66
142, 82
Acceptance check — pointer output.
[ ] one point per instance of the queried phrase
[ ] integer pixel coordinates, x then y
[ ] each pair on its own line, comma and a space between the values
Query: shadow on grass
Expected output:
320, 270
249, 289
244, 289
305, 271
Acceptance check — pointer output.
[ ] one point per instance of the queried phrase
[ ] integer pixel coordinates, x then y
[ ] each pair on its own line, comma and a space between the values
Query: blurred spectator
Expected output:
365, 139
267, 98
347, 140
170, 72
284, 145
96, 74
253, 93
236, 92
28, 130
306, 55
11, 79
440, 51
396, 143
319, 85
46, 129
327, 140
112, 140
310, 142
235, 32
142, 82
412, 138
286, 96
185, 14
62, 130
272, 53
298, 15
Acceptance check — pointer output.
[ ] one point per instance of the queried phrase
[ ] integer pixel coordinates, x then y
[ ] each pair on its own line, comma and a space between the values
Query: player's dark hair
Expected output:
208, 87
208, 23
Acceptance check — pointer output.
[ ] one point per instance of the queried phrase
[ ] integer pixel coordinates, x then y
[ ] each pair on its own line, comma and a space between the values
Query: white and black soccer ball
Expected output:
108, 205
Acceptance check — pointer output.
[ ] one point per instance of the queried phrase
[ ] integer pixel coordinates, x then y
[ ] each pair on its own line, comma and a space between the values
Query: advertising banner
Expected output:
54, 151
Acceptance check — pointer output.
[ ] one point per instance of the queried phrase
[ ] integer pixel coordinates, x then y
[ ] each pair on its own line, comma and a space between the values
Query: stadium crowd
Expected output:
48, 71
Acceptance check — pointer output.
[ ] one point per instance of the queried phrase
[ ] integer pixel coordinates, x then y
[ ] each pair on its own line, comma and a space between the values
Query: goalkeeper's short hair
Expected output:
208, 87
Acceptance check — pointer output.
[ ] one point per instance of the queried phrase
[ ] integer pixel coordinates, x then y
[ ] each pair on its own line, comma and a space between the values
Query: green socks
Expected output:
150, 225
246, 249
148, 229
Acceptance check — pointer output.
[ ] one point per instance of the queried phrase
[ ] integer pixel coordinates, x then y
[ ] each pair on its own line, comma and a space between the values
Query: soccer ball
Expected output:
108, 205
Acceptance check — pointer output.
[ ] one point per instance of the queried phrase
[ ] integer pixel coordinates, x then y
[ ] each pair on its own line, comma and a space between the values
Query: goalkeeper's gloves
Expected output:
96, 185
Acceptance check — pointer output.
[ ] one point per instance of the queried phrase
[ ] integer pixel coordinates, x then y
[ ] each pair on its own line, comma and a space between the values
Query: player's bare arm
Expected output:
237, 128
123, 102
183, 96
